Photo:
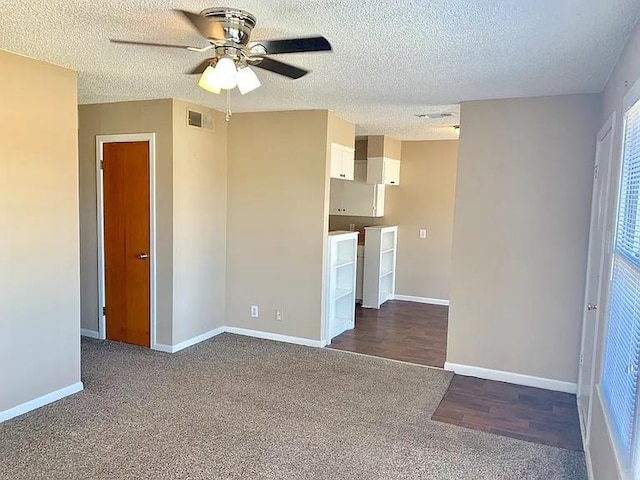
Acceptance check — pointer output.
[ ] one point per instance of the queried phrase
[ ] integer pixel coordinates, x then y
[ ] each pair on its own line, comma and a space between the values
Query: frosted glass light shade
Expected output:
209, 81
247, 80
226, 73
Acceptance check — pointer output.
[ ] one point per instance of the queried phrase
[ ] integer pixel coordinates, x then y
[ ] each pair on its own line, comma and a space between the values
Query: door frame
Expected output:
100, 141
609, 126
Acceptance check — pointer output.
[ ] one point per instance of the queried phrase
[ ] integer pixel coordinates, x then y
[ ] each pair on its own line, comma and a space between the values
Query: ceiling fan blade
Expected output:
201, 68
151, 44
294, 45
208, 28
280, 68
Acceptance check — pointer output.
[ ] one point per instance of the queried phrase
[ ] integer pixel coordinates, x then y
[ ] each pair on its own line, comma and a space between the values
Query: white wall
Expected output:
520, 234
39, 253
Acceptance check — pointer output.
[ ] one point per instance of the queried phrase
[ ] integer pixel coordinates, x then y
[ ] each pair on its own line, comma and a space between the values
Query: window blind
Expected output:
622, 351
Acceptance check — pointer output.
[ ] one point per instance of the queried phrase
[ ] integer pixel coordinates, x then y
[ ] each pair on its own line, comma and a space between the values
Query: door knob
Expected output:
592, 306
142, 256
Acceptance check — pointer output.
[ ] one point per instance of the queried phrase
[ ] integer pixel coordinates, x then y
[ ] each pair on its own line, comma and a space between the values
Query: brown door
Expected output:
126, 241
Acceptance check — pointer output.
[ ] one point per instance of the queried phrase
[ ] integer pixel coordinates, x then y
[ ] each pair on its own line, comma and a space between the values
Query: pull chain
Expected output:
229, 114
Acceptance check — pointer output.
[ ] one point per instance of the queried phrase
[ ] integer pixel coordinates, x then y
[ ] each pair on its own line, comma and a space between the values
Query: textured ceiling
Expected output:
391, 59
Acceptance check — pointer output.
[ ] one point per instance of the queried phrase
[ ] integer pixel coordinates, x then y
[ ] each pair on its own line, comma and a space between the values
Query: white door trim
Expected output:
609, 126
100, 141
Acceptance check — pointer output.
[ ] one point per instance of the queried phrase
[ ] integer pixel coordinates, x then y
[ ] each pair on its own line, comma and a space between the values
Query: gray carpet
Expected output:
235, 407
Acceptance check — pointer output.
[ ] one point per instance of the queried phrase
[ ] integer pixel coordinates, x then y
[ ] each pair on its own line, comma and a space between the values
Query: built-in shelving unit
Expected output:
340, 314
380, 248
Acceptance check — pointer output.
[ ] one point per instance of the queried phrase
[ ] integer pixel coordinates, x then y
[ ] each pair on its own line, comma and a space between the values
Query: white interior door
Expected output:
594, 280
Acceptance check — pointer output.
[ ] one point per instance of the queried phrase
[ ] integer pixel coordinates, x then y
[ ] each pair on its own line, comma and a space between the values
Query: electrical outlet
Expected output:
278, 315
423, 233
255, 312
352, 227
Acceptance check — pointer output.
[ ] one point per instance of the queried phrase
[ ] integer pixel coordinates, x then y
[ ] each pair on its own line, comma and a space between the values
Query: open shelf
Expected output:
379, 265
340, 278
344, 263
339, 293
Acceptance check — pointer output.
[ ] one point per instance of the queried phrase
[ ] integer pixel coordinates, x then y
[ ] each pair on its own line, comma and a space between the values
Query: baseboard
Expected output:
587, 459
430, 301
274, 336
343, 328
40, 401
188, 343
85, 332
509, 377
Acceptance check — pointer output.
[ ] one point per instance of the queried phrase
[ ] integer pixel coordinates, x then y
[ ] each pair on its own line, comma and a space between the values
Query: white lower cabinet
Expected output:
340, 308
356, 198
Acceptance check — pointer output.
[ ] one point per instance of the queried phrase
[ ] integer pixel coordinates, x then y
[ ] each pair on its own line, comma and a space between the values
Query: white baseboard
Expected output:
85, 332
238, 331
509, 377
188, 343
430, 301
274, 336
587, 459
40, 401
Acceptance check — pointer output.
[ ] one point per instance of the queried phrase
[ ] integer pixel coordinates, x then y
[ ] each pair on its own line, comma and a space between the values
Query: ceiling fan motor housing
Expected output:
236, 24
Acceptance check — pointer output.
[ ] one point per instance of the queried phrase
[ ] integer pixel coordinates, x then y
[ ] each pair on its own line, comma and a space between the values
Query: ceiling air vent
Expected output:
200, 120
434, 115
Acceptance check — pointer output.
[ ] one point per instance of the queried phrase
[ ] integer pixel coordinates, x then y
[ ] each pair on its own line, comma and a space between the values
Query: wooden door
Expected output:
127, 241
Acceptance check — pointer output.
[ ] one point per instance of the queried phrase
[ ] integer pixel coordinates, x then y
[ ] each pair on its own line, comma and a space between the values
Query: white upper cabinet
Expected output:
342, 162
383, 171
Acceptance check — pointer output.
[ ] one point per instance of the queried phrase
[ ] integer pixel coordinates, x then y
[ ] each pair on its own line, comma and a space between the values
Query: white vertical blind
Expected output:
622, 352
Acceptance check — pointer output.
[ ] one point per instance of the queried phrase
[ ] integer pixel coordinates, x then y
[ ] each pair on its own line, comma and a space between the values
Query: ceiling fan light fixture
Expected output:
248, 81
226, 73
209, 80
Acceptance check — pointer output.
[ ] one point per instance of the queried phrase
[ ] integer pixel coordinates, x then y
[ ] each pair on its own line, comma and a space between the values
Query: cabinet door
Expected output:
336, 197
391, 172
348, 163
335, 170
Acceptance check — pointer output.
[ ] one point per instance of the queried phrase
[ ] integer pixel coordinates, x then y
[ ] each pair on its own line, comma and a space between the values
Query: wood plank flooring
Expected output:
526, 413
407, 331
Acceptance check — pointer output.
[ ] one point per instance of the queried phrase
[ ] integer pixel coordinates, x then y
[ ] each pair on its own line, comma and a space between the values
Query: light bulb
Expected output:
209, 81
226, 73
247, 80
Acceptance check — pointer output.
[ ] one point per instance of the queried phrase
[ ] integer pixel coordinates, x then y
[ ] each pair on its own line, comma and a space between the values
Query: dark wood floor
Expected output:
411, 332
526, 413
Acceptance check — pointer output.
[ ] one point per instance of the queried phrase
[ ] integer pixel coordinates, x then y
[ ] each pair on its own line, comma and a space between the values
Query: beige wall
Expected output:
626, 73
152, 116
520, 234
424, 199
340, 131
39, 277
199, 223
383, 146
361, 148
276, 220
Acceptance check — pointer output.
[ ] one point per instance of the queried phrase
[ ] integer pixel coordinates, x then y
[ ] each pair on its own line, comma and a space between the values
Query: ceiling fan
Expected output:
228, 31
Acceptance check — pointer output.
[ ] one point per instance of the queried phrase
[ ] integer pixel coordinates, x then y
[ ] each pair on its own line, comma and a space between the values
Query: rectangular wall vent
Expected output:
200, 120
